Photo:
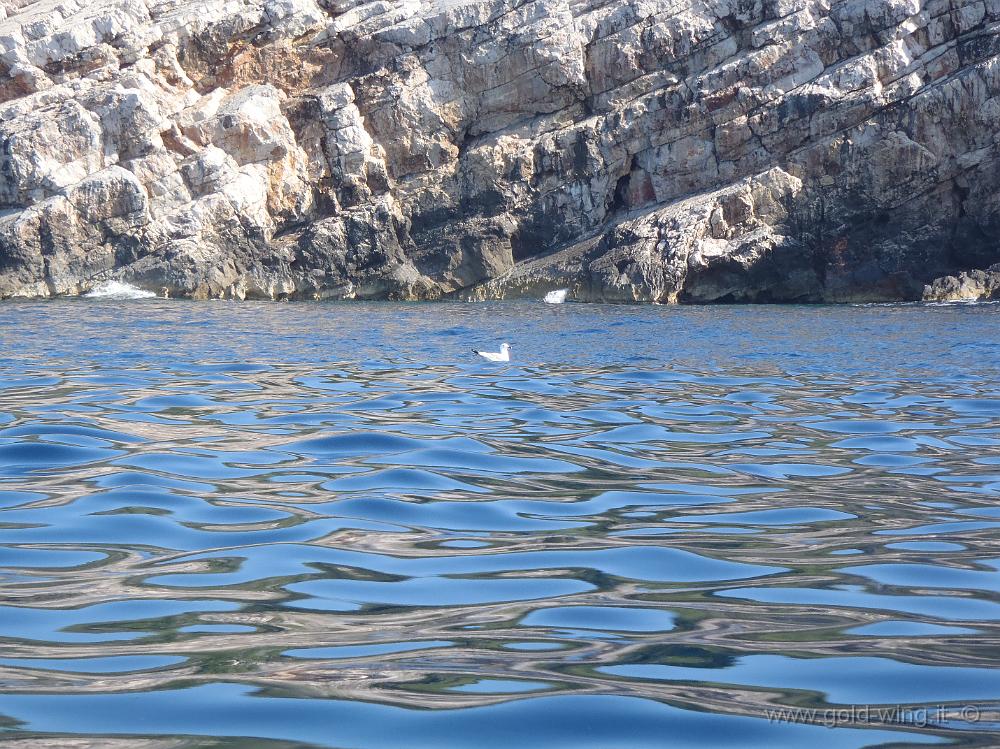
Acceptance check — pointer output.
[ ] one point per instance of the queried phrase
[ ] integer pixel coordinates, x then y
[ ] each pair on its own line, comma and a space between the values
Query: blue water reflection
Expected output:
274, 525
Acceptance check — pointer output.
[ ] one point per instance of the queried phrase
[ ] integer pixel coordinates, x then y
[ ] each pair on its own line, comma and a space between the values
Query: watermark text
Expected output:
867, 715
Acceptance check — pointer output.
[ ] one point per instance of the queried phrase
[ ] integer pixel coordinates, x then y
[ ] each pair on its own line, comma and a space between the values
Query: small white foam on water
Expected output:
118, 290
558, 296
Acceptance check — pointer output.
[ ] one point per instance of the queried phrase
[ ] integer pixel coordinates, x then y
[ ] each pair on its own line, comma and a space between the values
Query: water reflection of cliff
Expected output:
445, 537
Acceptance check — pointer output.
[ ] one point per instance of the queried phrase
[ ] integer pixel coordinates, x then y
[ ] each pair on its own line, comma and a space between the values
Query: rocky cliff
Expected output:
660, 150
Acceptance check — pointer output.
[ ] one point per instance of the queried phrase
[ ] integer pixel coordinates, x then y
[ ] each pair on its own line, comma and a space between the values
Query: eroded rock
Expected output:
643, 150
969, 286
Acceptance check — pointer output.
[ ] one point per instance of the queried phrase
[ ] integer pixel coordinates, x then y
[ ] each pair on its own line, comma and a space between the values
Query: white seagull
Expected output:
504, 354
556, 296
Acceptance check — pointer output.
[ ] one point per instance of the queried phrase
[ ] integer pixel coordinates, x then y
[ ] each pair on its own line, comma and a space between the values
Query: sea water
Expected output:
273, 525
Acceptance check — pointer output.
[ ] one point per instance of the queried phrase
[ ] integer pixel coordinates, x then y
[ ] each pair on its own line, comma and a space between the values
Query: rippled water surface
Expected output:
267, 525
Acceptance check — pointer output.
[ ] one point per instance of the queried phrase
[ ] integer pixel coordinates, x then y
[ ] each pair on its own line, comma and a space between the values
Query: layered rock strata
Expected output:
630, 150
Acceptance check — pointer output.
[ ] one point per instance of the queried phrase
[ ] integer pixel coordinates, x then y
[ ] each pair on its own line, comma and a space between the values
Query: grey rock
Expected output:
642, 150
969, 286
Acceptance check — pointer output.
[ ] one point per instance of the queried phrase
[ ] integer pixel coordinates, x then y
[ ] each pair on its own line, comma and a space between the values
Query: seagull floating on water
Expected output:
556, 296
503, 355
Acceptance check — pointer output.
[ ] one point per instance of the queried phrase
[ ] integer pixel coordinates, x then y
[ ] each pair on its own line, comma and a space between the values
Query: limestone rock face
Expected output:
970, 286
636, 150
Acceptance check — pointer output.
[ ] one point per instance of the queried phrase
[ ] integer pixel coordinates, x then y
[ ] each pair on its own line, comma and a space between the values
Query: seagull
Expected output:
556, 296
504, 354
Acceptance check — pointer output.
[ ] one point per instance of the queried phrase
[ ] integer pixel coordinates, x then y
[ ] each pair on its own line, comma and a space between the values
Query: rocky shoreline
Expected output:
631, 150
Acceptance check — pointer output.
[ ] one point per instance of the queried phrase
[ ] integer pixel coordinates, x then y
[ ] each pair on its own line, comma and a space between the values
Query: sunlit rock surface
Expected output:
971, 286
635, 150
